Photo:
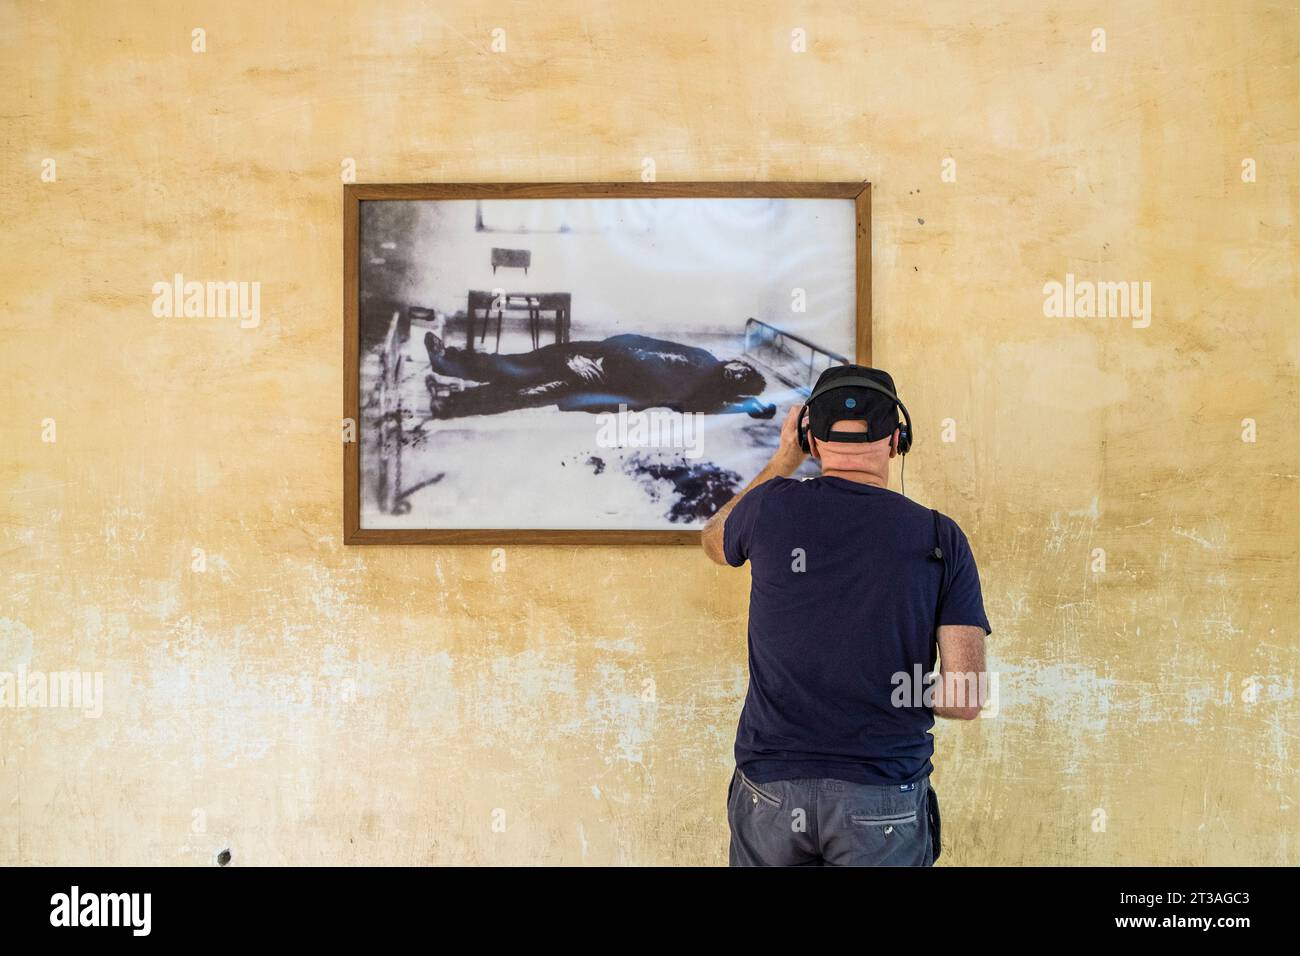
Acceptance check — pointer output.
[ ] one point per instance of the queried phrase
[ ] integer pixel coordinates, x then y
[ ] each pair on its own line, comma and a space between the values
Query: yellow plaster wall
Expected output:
302, 702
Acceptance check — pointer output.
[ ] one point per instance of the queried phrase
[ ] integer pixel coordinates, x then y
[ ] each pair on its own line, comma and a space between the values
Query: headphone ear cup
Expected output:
803, 430
904, 440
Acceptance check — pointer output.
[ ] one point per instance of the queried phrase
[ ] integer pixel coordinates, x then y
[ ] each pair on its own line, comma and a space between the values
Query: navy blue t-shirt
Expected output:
844, 596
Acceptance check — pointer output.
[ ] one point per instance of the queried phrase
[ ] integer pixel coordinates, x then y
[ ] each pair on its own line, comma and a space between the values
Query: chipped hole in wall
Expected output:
223, 858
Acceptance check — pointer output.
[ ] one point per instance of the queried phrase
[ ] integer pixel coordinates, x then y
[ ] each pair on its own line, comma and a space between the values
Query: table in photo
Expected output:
533, 303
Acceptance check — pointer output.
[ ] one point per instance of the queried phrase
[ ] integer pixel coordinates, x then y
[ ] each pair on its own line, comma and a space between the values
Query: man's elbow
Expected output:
957, 713
959, 699
711, 542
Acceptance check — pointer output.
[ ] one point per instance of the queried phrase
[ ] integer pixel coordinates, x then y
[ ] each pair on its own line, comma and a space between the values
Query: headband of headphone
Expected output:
857, 381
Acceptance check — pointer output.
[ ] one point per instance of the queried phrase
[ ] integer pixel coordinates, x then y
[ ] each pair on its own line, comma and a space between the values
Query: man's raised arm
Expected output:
784, 462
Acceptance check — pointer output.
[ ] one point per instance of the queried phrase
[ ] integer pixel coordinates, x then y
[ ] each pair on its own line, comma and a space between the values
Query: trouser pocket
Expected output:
757, 793
884, 820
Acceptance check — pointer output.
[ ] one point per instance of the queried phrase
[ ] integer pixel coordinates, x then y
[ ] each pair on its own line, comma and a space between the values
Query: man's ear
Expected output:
812, 446
893, 443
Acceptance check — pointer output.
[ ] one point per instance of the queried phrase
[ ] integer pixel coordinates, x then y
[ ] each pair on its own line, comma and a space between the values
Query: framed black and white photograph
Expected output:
585, 363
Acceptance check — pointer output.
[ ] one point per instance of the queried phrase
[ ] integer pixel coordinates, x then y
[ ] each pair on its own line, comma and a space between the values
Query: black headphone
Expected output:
904, 445
856, 381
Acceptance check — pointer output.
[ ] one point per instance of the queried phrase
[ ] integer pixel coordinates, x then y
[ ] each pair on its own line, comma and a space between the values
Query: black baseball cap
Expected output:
825, 408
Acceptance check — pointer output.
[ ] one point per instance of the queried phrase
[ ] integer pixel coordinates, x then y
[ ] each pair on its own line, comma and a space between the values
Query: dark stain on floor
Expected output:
701, 488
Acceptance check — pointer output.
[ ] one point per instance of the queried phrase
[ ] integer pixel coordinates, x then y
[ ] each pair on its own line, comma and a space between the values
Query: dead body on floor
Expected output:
634, 372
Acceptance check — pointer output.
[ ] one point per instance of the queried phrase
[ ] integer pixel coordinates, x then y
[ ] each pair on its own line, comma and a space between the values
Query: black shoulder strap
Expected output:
938, 553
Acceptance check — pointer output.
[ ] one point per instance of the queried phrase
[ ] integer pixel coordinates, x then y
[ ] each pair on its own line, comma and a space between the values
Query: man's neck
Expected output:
861, 477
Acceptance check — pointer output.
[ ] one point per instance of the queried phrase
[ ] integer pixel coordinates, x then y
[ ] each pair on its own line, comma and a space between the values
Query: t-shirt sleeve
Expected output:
964, 602
738, 530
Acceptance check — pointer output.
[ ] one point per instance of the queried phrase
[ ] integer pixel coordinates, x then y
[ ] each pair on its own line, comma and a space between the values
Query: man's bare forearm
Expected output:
959, 695
713, 530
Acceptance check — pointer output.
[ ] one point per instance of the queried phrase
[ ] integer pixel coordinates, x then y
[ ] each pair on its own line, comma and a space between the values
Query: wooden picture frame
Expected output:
355, 195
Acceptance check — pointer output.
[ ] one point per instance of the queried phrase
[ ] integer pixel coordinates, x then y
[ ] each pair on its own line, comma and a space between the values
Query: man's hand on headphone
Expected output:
788, 455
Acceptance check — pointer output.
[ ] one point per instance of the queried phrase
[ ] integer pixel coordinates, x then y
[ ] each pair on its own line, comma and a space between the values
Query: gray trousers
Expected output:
826, 822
